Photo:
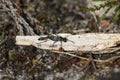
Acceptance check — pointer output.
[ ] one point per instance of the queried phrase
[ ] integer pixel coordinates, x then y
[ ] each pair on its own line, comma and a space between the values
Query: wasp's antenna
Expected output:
71, 41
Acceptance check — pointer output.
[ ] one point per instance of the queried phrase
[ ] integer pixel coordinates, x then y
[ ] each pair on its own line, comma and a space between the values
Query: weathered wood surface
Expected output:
82, 42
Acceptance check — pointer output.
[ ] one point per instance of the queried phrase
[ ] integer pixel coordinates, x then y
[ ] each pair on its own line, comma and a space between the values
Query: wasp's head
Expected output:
65, 39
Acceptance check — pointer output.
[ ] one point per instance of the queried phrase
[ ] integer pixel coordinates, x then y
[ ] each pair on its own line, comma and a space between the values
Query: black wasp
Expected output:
55, 38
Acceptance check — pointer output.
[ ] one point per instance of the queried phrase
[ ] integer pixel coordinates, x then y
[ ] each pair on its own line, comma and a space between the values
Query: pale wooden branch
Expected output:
93, 42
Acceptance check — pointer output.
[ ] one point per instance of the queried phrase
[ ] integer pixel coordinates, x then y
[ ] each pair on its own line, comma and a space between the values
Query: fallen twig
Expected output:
111, 59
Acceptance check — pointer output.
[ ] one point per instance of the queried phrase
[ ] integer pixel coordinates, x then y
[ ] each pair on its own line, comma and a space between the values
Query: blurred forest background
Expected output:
38, 17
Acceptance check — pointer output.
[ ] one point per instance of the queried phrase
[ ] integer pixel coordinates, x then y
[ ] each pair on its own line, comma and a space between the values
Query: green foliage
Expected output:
98, 0
98, 7
109, 4
117, 14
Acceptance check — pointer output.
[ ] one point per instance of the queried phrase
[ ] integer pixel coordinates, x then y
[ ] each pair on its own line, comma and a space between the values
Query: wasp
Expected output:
55, 38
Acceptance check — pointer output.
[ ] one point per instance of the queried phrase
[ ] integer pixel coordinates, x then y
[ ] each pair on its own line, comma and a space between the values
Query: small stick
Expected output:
96, 60
92, 61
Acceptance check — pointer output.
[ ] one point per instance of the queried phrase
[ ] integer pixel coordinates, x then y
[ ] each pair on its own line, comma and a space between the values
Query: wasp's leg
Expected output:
61, 43
39, 44
61, 48
44, 41
53, 45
